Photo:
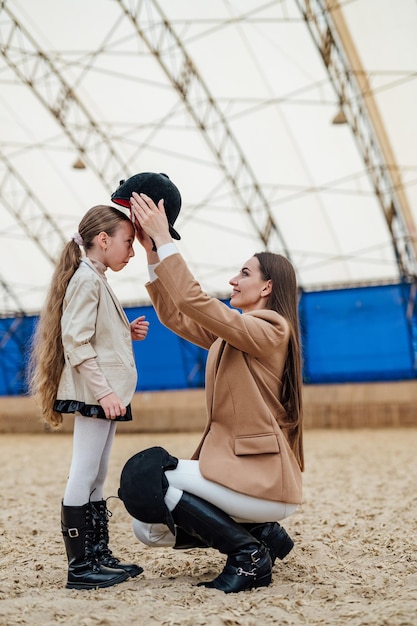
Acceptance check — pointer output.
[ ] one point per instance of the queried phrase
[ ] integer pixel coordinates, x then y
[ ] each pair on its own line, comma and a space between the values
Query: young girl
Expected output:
82, 362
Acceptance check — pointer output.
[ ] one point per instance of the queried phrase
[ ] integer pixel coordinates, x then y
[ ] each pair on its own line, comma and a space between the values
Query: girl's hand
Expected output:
152, 219
113, 406
139, 328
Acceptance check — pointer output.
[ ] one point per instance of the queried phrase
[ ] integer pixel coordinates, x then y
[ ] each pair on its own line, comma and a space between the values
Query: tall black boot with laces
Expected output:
101, 548
84, 571
248, 562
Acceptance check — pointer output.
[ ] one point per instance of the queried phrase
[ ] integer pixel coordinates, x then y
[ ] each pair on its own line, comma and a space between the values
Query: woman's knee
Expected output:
156, 535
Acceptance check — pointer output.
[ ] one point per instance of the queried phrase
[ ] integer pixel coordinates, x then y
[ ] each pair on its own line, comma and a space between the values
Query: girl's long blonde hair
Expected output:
46, 360
284, 300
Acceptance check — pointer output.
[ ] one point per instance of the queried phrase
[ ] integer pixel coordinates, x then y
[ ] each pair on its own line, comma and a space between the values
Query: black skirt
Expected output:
89, 410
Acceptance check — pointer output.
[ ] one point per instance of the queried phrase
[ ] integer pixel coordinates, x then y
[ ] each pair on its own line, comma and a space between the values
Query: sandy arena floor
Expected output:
354, 562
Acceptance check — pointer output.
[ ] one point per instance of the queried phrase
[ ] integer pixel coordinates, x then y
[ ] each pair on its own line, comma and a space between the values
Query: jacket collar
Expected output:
86, 261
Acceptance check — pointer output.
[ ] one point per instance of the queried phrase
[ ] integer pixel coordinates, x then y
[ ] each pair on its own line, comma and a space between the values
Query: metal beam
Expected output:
155, 30
34, 68
330, 33
29, 212
10, 296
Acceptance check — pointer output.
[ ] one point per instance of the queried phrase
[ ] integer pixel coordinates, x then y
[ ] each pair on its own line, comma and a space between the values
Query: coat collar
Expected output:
86, 261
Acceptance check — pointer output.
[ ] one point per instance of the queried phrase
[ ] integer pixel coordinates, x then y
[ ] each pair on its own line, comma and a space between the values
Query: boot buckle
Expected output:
255, 556
73, 533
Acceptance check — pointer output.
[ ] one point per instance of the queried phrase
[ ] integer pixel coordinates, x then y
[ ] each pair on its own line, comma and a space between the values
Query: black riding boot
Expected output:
84, 571
248, 562
274, 536
185, 541
101, 548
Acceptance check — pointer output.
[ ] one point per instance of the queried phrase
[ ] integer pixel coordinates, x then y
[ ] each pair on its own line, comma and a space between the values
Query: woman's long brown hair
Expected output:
284, 300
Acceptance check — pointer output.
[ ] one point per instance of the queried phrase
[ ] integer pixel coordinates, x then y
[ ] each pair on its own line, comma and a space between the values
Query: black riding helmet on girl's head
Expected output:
157, 187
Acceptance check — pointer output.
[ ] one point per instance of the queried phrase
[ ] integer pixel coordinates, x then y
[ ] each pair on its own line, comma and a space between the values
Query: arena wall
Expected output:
367, 405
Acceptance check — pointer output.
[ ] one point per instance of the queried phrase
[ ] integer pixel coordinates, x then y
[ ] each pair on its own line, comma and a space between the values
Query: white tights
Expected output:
187, 477
92, 444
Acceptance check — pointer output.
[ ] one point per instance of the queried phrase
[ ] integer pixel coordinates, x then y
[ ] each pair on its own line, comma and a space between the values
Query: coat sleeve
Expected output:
254, 334
171, 317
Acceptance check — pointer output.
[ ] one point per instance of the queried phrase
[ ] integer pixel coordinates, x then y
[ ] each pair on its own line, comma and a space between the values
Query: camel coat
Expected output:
243, 446
94, 325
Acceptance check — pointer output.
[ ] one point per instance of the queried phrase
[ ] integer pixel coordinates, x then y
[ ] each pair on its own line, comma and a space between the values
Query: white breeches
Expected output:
187, 477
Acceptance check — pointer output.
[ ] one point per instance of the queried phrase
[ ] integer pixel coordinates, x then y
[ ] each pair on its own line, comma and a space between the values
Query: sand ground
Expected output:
354, 562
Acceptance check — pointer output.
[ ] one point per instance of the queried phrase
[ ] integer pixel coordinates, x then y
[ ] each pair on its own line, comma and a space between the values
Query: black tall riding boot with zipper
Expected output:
84, 570
248, 562
101, 548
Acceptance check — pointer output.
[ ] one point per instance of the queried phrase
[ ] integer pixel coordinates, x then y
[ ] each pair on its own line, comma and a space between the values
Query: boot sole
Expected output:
102, 585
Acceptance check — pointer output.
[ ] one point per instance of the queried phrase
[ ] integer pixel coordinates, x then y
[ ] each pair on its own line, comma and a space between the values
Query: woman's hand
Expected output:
139, 328
151, 218
112, 406
141, 236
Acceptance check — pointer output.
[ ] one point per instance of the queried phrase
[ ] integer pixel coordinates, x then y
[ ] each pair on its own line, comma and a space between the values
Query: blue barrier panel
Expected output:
15, 336
349, 335
359, 334
165, 361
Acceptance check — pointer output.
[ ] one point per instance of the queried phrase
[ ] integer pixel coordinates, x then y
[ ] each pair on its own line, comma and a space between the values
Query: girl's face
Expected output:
118, 250
250, 290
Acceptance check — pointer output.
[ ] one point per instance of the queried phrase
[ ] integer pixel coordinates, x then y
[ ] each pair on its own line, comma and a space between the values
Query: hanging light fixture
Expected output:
79, 164
340, 117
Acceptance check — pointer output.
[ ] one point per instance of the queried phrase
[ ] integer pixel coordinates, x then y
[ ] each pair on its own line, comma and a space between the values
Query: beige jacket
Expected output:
94, 324
243, 446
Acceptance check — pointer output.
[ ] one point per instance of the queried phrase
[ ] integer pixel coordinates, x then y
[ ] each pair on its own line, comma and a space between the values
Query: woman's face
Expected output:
250, 290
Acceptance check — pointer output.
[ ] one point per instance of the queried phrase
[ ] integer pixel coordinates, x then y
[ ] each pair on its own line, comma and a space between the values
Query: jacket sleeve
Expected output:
257, 334
171, 317
78, 322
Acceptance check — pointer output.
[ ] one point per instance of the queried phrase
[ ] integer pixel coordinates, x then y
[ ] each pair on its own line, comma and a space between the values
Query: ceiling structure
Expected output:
287, 125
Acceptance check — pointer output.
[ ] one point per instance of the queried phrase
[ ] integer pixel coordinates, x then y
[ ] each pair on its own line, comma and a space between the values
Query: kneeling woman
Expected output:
246, 472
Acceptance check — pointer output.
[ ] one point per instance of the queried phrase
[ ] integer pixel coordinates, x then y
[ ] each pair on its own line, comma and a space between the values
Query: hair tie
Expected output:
78, 239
